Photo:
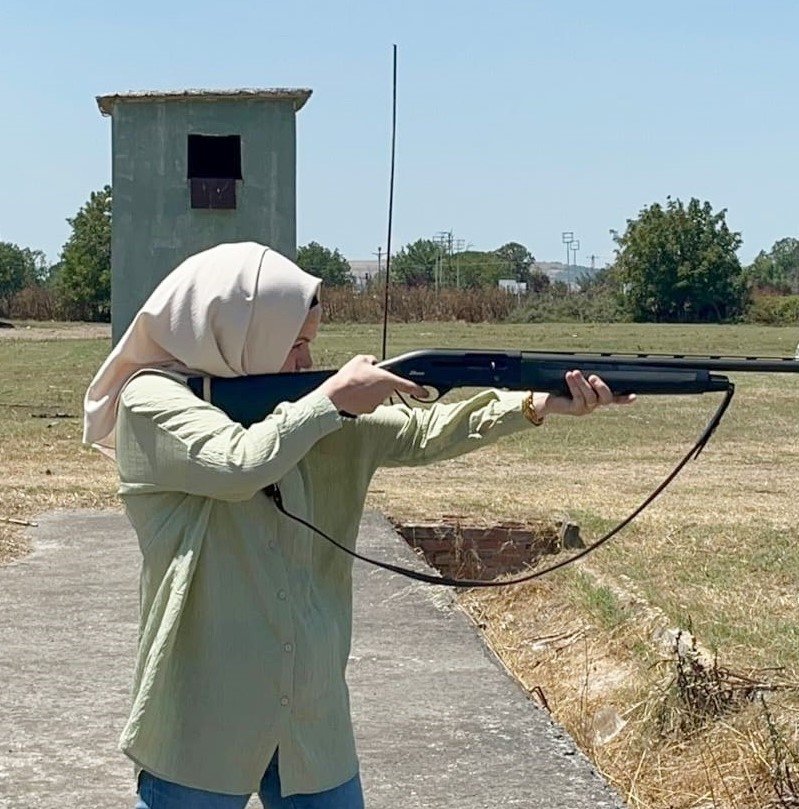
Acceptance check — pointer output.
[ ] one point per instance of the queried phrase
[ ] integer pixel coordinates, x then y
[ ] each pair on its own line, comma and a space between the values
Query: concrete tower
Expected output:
191, 169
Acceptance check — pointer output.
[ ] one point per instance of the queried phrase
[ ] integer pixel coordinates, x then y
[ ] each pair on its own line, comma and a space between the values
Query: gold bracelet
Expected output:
529, 411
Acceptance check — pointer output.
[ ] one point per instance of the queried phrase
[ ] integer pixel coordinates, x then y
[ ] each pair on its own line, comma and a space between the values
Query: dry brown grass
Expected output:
55, 330
42, 463
418, 304
49, 483
615, 690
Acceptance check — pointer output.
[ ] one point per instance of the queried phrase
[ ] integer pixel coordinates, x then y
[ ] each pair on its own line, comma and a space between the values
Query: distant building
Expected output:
513, 286
364, 272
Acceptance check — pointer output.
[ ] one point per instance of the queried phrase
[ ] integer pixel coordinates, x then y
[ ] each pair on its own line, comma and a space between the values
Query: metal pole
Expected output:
390, 199
576, 247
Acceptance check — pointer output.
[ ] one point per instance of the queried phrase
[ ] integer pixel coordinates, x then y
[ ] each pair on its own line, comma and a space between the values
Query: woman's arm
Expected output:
412, 436
169, 440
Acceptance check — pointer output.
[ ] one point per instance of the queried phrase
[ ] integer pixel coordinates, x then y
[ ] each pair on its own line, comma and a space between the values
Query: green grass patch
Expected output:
598, 601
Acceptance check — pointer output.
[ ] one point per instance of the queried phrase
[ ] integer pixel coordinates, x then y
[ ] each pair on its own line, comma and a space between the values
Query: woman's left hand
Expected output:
586, 396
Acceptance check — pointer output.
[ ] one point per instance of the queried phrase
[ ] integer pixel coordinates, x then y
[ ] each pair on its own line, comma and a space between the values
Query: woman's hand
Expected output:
586, 396
360, 386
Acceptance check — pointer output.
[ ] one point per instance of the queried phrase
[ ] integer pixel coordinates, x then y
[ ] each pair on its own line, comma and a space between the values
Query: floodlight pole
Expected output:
567, 237
574, 249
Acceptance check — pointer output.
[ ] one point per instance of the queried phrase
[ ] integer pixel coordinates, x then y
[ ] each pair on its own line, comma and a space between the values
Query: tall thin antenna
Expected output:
390, 201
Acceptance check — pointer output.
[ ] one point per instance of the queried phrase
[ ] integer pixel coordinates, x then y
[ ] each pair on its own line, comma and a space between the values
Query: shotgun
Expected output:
249, 399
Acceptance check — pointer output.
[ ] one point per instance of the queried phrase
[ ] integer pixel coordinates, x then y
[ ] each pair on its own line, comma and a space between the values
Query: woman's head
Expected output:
233, 310
299, 357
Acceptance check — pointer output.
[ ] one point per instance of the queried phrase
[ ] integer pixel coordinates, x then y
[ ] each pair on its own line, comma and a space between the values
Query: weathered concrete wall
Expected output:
154, 226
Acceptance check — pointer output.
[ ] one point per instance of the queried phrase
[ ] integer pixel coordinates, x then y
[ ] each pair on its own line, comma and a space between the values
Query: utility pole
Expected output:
460, 246
379, 255
449, 256
444, 241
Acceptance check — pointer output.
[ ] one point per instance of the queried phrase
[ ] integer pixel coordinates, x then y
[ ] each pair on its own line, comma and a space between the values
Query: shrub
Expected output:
35, 302
774, 310
591, 306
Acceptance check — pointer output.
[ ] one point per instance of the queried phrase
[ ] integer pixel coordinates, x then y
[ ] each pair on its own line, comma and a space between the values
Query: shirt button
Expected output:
287, 647
284, 701
281, 594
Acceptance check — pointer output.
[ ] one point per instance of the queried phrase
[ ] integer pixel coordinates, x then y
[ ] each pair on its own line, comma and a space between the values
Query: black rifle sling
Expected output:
273, 492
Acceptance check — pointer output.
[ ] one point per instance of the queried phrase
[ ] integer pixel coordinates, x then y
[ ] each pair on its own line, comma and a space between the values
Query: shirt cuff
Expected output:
315, 409
512, 401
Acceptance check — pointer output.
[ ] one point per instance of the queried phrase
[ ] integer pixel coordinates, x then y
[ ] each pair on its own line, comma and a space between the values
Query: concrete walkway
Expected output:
438, 722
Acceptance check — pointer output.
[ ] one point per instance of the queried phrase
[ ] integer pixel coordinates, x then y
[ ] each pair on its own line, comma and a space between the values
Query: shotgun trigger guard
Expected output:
434, 394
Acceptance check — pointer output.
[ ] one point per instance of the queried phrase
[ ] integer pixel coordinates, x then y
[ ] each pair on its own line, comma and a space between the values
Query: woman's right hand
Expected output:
360, 386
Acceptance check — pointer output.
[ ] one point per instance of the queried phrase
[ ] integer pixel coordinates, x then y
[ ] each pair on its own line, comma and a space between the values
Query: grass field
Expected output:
717, 552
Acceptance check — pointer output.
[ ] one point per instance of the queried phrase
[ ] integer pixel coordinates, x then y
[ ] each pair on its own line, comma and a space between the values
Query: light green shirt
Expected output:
245, 614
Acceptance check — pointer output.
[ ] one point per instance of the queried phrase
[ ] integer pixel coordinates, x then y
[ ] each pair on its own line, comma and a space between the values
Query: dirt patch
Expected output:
21, 330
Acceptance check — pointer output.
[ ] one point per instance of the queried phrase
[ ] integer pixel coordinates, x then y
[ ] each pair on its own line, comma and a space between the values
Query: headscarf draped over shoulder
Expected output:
232, 310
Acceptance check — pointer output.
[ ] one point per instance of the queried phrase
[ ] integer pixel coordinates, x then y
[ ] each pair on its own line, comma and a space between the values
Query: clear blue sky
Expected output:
517, 120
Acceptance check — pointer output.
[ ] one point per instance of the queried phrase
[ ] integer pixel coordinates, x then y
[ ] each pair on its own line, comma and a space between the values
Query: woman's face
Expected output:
299, 358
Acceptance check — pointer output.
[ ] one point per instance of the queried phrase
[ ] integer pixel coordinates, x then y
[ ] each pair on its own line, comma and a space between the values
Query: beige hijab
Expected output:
233, 310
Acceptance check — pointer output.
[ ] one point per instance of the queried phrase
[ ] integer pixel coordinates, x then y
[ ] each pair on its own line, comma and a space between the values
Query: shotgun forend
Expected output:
248, 399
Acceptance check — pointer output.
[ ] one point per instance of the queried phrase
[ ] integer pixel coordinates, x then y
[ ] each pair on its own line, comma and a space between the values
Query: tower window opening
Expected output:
214, 165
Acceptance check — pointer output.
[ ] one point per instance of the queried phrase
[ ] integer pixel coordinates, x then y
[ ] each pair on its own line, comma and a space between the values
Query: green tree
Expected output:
604, 281
83, 280
39, 272
679, 263
415, 264
480, 269
777, 270
518, 259
329, 265
538, 282
19, 267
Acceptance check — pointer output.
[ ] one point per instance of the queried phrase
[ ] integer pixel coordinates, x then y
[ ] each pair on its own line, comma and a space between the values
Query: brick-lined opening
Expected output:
486, 552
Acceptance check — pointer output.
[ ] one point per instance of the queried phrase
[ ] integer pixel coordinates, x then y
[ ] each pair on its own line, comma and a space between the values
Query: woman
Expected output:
246, 615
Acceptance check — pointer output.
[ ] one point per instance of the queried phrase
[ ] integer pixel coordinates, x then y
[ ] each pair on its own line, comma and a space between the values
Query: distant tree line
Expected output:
78, 286
426, 263
674, 262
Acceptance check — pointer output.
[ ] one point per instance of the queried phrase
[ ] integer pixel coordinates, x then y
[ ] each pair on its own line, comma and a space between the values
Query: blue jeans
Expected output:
154, 793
